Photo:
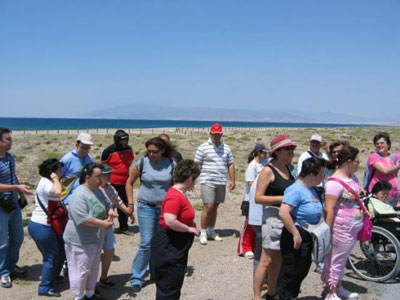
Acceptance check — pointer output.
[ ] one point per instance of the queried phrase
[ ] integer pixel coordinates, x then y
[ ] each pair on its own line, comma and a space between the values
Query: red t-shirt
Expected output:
177, 204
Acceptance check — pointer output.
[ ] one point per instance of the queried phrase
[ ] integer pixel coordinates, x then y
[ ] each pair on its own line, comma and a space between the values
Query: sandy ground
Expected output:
215, 271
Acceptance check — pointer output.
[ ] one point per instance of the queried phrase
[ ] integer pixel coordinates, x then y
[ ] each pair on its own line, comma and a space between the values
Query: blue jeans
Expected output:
51, 246
11, 238
148, 217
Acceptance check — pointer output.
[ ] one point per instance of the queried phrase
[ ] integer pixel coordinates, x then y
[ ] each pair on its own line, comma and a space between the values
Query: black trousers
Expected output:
295, 263
122, 217
169, 252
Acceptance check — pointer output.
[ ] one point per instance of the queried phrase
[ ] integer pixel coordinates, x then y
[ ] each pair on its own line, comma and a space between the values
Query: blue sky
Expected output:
69, 58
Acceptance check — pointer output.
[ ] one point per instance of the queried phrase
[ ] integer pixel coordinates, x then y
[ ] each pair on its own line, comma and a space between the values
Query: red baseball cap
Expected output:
216, 128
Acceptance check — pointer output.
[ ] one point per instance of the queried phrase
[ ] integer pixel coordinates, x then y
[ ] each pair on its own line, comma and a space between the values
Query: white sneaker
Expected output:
332, 297
6, 281
249, 255
346, 294
203, 238
215, 237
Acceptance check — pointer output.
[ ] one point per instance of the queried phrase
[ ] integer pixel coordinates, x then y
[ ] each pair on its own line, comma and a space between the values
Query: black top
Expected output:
278, 186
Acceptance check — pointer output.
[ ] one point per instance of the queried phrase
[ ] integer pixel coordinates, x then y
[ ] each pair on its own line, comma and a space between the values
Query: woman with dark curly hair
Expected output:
155, 174
49, 243
171, 244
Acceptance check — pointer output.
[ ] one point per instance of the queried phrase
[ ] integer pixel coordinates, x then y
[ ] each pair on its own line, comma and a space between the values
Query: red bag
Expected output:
366, 232
57, 216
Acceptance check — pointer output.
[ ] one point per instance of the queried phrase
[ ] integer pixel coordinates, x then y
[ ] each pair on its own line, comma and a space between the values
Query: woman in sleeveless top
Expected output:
273, 181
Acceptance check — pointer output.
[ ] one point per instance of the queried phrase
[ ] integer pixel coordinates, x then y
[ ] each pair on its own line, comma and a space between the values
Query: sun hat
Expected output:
105, 169
261, 147
85, 138
216, 128
281, 141
316, 137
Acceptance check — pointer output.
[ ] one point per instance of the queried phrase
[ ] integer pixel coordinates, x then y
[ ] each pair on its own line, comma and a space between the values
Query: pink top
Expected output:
378, 176
347, 206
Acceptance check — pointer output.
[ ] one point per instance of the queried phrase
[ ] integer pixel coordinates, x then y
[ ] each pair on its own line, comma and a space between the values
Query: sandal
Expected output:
271, 297
107, 283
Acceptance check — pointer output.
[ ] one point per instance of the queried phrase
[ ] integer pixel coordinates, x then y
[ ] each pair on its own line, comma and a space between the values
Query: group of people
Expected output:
280, 199
284, 200
85, 194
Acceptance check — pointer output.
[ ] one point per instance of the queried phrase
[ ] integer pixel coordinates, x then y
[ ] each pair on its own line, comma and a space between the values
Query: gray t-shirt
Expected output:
156, 180
83, 205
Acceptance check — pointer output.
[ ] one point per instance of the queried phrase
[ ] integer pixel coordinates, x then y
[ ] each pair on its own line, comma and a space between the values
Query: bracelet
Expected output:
131, 204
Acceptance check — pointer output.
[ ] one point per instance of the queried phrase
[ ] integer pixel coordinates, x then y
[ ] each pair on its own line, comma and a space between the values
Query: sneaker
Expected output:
107, 283
64, 270
249, 255
215, 237
6, 281
332, 297
203, 238
50, 293
18, 272
127, 232
346, 294
136, 288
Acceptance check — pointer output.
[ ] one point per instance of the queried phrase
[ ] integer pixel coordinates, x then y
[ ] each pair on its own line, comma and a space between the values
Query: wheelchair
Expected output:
378, 259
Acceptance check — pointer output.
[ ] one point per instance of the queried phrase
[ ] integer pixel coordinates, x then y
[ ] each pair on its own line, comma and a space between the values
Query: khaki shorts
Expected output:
271, 231
213, 193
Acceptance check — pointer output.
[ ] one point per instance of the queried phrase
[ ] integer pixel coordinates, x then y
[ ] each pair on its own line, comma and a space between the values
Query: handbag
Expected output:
7, 203
365, 233
321, 236
22, 202
245, 207
57, 215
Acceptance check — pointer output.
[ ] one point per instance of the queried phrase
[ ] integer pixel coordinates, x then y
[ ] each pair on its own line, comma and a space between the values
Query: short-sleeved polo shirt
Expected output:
214, 162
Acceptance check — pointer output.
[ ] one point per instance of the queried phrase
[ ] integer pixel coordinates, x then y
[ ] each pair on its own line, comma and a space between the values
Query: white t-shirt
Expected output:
43, 191
253, 169
306, 155
255, 210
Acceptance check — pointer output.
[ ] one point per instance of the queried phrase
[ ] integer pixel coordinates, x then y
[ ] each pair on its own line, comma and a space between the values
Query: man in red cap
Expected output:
216, 160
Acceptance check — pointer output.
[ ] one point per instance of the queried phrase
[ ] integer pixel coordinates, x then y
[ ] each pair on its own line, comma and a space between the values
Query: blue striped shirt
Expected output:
5, 176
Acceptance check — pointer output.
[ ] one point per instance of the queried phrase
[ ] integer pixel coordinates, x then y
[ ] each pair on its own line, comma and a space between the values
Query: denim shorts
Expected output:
109, 241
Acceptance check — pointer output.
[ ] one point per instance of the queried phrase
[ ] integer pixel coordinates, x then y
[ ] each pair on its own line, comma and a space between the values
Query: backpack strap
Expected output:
141, 163
370, 176
312, 153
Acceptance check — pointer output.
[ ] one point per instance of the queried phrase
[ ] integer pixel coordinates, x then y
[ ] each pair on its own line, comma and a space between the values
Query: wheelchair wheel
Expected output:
377, 259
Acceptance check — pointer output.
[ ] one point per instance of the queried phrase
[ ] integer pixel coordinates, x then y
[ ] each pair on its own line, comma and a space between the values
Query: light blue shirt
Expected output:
73, 164
156, 180
307, 206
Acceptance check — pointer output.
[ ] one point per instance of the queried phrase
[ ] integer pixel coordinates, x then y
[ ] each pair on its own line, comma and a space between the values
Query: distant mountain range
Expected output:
159, 112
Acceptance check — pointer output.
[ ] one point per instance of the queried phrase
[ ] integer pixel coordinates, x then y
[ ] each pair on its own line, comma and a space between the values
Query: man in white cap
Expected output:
73, 162
216, 160
314, 150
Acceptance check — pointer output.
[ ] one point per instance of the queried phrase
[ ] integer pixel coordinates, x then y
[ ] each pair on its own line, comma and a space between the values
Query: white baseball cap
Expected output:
85, 138
316, 137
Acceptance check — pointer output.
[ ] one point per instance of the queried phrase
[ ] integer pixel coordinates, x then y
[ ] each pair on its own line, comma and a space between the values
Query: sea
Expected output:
58, 123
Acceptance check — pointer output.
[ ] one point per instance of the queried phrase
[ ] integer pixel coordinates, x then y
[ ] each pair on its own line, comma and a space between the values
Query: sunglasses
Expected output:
288, 148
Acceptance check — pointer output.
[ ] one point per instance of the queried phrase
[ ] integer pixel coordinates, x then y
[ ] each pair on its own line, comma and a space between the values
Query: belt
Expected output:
157, 205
